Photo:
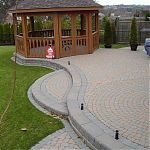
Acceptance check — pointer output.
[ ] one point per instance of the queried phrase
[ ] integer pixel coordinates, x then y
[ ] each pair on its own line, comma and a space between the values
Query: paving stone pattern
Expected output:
117, 91
64, 139
58, 85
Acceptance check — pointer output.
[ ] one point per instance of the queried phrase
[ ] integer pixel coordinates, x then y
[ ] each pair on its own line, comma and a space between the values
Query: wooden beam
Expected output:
74, 33
25, 35
57, 27
55, 9
90, 36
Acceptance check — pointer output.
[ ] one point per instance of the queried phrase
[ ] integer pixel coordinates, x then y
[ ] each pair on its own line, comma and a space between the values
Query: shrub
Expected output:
133, 33
19, 28
38, 25
1, 33
107, 33
7, 33
104, 20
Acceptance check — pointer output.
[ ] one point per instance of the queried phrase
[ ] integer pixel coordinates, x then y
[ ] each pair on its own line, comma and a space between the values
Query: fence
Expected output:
123, 36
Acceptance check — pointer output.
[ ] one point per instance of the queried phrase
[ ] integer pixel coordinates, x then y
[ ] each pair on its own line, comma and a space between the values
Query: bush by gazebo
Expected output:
107, 34
133, 35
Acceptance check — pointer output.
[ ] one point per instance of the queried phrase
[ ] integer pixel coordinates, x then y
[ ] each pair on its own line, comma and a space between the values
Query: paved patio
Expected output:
118, 90
113, 85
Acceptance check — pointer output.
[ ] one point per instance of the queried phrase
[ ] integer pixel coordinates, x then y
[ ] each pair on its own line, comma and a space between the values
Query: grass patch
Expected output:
116, 45
21, 114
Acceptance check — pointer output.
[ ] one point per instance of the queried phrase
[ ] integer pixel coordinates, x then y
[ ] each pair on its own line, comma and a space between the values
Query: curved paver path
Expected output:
117, 91
64, 139
58, 86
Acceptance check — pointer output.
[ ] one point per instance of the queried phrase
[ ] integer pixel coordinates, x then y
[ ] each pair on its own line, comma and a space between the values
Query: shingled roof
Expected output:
43, 4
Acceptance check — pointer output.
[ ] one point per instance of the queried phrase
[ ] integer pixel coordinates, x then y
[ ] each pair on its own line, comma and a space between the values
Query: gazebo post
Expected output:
90, 36
56, 35
25, 34
32, 23
97, 28
15, 27
15, 24
73, 26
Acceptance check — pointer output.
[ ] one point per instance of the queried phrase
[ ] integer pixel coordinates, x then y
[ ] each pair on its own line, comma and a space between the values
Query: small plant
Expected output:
133, 35
107, 34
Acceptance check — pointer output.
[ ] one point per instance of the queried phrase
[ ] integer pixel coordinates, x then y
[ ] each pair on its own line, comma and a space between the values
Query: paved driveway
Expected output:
118, 90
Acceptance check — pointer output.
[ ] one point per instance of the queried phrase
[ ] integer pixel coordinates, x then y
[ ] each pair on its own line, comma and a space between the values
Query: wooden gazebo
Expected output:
66, 42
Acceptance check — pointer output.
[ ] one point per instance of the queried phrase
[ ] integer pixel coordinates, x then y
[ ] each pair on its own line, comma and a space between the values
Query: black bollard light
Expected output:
82, 106
68, 62
117, 135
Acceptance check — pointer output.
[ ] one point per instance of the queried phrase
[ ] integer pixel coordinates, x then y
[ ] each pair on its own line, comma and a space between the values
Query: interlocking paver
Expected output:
116, 94
62, 140
117, 91
58, 85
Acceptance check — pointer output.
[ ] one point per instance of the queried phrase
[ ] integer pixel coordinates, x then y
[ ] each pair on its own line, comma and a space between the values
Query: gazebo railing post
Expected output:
56, 35
73, 26
90, 36
25, 34
97, 29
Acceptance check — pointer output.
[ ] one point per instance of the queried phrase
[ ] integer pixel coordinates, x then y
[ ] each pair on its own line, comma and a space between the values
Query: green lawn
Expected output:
22, 114
116, 45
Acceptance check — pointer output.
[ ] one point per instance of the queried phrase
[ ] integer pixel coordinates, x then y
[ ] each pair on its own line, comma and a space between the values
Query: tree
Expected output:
104, 20
133, 35
5, 5
107, 34
38, 23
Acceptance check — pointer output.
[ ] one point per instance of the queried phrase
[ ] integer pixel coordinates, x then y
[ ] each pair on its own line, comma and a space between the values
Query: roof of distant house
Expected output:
45, 4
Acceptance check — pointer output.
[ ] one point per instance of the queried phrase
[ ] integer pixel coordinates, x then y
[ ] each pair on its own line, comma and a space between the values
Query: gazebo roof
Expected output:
55, 4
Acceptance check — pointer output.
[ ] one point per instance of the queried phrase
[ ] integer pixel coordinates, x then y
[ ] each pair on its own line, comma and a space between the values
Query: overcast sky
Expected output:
125, 2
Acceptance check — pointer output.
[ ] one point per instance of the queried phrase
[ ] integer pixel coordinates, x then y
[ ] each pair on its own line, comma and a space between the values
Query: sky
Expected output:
125, 2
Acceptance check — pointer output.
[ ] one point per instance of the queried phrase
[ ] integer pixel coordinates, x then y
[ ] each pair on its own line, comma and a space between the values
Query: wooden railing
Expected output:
66, 46
50, 33
20, 45
81, 44
95, 40
81, 40
37, 46
43, 33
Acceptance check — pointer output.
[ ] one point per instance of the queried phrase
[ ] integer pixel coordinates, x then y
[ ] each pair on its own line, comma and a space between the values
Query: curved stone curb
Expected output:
47, 142
45, 99
86, 126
